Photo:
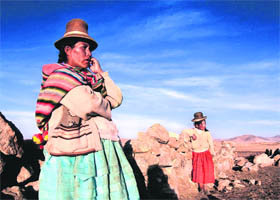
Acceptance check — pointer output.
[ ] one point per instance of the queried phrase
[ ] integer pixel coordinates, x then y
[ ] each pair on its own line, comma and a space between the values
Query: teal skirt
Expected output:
105, 174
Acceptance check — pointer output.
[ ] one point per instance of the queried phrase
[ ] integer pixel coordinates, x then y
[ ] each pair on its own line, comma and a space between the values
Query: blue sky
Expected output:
170, 58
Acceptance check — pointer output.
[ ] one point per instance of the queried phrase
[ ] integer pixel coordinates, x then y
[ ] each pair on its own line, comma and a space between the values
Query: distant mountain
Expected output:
253, 138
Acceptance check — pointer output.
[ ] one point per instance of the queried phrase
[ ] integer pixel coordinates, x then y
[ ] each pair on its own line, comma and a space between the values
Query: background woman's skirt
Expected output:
203, 167
104, 175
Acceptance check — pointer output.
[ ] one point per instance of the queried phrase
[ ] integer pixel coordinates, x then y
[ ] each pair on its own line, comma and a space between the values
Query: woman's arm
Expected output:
114, 93
83, 102
211, 144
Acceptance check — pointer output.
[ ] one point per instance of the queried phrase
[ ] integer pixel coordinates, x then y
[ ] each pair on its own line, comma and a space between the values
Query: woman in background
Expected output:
83, 156
202, 151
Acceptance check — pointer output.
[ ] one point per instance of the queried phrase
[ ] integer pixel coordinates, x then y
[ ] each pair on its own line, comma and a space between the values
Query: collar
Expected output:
198, 131
77, 69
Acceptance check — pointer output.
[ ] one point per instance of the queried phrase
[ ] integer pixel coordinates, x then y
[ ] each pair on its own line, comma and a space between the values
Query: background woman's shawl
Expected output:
58, 79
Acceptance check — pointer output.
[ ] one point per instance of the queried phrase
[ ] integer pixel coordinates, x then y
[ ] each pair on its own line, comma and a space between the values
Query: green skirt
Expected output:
105, 174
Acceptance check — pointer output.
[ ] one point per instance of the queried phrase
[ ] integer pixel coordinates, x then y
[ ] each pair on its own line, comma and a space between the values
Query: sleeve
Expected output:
211, 144
185, 135
83, 102
114, 94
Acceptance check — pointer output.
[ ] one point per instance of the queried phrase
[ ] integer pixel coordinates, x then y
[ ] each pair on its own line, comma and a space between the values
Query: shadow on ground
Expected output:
157, 187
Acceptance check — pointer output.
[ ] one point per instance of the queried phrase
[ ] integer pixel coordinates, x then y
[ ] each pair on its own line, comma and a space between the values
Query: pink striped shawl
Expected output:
58, 79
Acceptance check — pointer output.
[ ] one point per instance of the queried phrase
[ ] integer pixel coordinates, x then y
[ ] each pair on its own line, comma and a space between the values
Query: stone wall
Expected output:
163, 163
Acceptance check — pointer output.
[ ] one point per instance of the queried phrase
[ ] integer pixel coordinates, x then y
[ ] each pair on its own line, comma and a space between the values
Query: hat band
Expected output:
75, 32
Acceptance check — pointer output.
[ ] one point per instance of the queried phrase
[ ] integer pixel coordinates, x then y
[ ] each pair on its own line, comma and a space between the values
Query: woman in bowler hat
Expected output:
83, 156
202, 151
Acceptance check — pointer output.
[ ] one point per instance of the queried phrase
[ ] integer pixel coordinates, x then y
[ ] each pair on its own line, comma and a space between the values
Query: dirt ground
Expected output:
269, 188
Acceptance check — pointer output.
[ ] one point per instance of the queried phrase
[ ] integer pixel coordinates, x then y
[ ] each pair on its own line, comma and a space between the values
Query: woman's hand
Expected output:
95, 66
193, 137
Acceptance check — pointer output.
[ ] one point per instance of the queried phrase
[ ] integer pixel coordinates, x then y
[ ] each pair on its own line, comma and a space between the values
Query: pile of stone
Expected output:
20, 163
225, 183
157, 157
251, 164
262, 160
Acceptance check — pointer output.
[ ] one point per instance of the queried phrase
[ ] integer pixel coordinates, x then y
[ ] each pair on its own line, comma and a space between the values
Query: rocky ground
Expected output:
269, 188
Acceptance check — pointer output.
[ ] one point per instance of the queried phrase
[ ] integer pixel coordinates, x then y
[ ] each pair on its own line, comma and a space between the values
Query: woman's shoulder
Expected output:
208, 133
50, 68
64, 75
188, 131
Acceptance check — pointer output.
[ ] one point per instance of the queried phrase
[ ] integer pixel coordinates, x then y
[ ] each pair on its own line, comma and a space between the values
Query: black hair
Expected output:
198, 123
62, 57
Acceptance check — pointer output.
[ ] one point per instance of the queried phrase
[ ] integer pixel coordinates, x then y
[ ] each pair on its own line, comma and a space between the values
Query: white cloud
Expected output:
268, 64
28, 82
211, 82
183, 96
24, 121
266, 122
129, 124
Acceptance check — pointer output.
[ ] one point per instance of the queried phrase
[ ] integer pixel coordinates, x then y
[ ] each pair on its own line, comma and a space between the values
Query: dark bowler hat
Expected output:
76, 28
198, 116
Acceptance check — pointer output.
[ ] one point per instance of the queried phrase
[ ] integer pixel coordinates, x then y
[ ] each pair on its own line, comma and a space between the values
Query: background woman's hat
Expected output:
76, 28
198, 116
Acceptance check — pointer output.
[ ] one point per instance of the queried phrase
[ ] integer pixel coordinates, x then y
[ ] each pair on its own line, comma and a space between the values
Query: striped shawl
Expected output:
58, 80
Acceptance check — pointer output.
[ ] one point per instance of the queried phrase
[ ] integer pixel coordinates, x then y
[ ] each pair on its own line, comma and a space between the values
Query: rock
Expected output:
14, 191
23, 175
239, 185
263, 160
173, 143
2, 165
224, 159
247, 166
240, 161
252, 181
276, 160
11, 139
222, 175
210, 186
223, 184
34, 185
254, 168
258, 183
165, 156
159, 133
142, 163
140, 146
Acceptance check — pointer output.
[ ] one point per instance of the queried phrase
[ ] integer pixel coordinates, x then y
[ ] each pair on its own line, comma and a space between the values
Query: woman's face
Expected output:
79, 55
202, 126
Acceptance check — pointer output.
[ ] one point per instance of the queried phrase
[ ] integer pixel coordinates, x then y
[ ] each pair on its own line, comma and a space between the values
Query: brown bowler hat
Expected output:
198, 116
76, 28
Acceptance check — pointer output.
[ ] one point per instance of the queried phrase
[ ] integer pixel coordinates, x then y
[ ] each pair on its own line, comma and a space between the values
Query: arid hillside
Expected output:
246, 145
254, 139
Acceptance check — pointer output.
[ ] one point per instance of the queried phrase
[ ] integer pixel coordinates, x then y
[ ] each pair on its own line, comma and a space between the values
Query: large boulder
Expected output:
224, 159
263, 160
11, 152
11, 139
159, 133
20, 163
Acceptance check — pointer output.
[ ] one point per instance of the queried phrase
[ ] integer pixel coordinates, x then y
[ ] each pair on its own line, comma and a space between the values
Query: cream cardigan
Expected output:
83, 118
203, 141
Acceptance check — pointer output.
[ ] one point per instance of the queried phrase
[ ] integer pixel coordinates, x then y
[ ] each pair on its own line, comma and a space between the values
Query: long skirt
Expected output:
202, 167
104, 174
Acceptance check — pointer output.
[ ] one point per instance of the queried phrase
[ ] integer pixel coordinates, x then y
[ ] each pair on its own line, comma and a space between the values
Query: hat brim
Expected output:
64, 40
200, 119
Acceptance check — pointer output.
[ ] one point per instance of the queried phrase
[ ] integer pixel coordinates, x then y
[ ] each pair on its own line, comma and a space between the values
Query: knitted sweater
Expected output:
203, 141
